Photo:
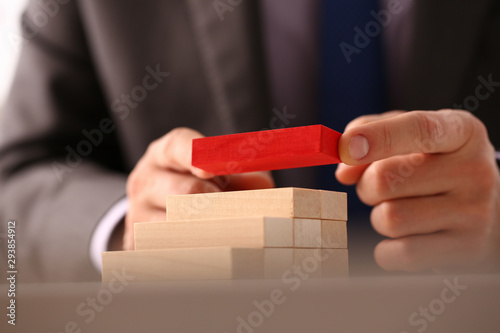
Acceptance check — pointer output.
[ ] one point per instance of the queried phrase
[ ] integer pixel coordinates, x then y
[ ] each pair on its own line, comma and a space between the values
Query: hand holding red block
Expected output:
267, 150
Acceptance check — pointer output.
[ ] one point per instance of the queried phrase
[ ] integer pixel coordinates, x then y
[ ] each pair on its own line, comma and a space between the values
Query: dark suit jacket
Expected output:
63, 164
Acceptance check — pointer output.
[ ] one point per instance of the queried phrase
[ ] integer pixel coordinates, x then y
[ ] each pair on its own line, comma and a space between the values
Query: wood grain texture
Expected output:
313, 233
267, 150
225, 263
307, 233
333, 205
277, 202
333, 234
185, 264
257, 232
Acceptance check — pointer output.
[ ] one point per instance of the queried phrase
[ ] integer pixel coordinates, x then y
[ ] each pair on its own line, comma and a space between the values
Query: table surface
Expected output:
370, 300
426, 303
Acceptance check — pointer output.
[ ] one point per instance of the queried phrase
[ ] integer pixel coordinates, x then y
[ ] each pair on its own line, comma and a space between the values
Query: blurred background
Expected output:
10, 43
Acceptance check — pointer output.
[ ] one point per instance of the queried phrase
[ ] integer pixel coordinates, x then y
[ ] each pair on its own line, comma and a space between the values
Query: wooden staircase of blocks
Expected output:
268, 233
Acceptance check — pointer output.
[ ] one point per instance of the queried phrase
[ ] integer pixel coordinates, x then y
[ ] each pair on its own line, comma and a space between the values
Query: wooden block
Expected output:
333, 234
317, 263
333, 205
307, 233
185, 264
267, 150
312, 233
277, 202
223, 263
308, 263
235, 232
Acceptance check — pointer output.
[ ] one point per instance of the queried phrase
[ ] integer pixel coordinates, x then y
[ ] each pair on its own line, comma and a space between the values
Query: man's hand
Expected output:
434, 184
166, 169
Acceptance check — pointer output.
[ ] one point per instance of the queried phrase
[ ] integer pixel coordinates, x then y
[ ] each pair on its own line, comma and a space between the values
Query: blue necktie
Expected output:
351, 74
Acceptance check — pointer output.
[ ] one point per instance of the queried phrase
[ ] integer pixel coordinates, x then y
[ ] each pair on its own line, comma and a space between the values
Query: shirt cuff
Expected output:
104, 230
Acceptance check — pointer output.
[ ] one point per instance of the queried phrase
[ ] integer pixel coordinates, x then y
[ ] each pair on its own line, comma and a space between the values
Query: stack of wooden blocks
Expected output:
239, 235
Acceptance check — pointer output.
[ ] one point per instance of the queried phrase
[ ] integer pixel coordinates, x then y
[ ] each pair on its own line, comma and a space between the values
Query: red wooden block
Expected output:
267, 150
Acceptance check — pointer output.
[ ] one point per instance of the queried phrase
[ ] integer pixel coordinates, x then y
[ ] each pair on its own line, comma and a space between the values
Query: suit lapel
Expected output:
444, 45
229, 42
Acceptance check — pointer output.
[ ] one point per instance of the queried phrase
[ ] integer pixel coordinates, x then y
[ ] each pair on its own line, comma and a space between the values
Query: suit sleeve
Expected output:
61, 167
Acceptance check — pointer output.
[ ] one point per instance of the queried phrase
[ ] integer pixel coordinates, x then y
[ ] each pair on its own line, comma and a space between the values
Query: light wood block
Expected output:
307, 233
278, 202
185, 264
318, 263
333, 205
312, 233
224, 263
322, 262
333, 234
257, 232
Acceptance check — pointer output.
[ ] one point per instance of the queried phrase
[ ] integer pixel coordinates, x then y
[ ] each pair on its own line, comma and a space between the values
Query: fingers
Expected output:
417, 216
371, 118
166, 169
417, 175
433, 181
412, 132
249, 181
408, 176
173, 151
169, 183
350, 174
445, 250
